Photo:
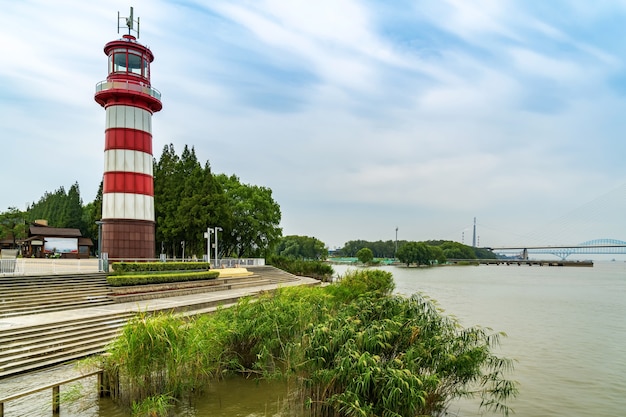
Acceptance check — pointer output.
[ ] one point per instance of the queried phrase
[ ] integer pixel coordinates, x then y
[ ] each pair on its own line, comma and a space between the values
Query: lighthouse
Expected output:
128, 223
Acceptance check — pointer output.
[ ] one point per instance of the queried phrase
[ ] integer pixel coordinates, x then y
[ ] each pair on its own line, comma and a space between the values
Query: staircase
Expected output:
86, 331
21, 295
27, 348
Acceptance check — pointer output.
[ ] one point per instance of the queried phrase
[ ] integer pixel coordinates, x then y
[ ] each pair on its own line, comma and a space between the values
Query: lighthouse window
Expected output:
119, 62
134, 64
122, 60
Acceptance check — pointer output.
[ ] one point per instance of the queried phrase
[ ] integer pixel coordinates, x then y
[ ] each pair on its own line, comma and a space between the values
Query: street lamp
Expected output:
207, 235
395, 254
183, 245
217, 229
100, 261
99, 223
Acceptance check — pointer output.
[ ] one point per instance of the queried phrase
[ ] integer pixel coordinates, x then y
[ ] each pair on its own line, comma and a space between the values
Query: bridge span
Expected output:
591, 247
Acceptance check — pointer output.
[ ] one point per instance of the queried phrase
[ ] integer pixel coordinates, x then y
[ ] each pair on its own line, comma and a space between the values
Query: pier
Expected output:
519, 262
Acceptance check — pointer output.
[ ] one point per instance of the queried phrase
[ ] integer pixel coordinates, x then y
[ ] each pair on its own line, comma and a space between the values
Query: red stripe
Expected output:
131, 139
128, 182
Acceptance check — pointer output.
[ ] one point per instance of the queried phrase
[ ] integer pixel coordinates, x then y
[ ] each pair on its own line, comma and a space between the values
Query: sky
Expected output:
368, 120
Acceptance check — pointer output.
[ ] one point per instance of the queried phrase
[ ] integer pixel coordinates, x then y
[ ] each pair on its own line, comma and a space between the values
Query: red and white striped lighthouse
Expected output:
128, 224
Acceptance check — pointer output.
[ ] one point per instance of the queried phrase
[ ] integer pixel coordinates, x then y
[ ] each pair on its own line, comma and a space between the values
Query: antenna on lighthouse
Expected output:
129, 22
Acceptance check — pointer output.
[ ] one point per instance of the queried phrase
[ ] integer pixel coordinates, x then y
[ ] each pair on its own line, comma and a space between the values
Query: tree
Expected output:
416, 252
301, 247
456, 250
254, 218
188, 200
13, 225
365, 255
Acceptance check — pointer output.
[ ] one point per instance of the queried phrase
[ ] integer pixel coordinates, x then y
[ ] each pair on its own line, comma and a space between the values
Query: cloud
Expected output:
360, 116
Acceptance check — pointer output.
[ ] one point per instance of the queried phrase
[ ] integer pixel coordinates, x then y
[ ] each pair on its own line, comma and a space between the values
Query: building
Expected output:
44, 241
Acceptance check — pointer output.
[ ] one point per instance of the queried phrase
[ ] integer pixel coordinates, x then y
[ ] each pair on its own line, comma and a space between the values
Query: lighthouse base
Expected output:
128, 239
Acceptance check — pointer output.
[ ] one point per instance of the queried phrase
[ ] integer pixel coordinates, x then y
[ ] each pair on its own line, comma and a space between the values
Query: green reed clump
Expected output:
158, 354
157, 406
396, 356
352, 348
265, 333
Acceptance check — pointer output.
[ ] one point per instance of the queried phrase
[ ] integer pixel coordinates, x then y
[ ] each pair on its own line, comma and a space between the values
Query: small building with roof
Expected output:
44, 241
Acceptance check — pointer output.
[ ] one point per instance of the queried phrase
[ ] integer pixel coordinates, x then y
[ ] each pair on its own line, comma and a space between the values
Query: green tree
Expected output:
456, 250
188, 200
73, 210
13, 225
254, 218
415, 253
301, 247
365, 255
92, 212
436, 254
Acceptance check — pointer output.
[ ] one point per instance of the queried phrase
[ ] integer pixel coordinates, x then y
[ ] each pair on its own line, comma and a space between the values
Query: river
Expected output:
566, 329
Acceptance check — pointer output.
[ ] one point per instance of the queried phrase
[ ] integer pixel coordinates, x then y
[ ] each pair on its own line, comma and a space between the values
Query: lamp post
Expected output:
395, 254
100, 266
207, 235
99, 223
217, 229
182, 243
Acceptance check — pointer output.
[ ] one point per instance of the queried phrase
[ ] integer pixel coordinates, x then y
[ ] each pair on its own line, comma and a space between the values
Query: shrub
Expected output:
162, 278
306, 268
120, 268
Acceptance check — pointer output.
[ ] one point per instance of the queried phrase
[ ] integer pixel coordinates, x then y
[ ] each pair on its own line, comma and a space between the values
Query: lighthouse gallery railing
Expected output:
128, 85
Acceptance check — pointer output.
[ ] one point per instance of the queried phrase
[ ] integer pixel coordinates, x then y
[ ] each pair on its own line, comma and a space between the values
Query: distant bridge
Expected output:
591, 247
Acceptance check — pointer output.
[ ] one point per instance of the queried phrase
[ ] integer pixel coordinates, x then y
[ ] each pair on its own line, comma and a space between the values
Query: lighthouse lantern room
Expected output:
128, 223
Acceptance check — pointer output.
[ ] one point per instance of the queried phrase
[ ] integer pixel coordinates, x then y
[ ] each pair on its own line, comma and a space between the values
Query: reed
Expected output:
349, 349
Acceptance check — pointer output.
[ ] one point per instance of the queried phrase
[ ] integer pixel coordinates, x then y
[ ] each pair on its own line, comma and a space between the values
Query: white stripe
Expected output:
127, 206
128, 117
128, 161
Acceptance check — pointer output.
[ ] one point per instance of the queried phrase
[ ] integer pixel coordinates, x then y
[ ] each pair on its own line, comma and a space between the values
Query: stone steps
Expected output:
33, 347
38, 294
58, 338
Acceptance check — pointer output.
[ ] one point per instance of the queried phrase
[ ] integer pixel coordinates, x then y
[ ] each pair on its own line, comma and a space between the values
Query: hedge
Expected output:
120, 268
125, 280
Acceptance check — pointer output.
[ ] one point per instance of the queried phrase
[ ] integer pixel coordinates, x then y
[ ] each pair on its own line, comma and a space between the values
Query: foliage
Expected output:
365, 255
416, 253
159, 278
133, 267
314, 269
357, 283
161, 354
13, 225
452, 250
301, 247
157, 406
60, 209
456, 250
394, 356
352, 348
189, 198
380, 249
253, 228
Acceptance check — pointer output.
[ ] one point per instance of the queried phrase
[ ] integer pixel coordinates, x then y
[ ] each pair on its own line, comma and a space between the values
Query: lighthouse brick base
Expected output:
128, 239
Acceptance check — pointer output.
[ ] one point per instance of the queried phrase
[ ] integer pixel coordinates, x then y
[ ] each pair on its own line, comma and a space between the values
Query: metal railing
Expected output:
128, 85
35, 266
